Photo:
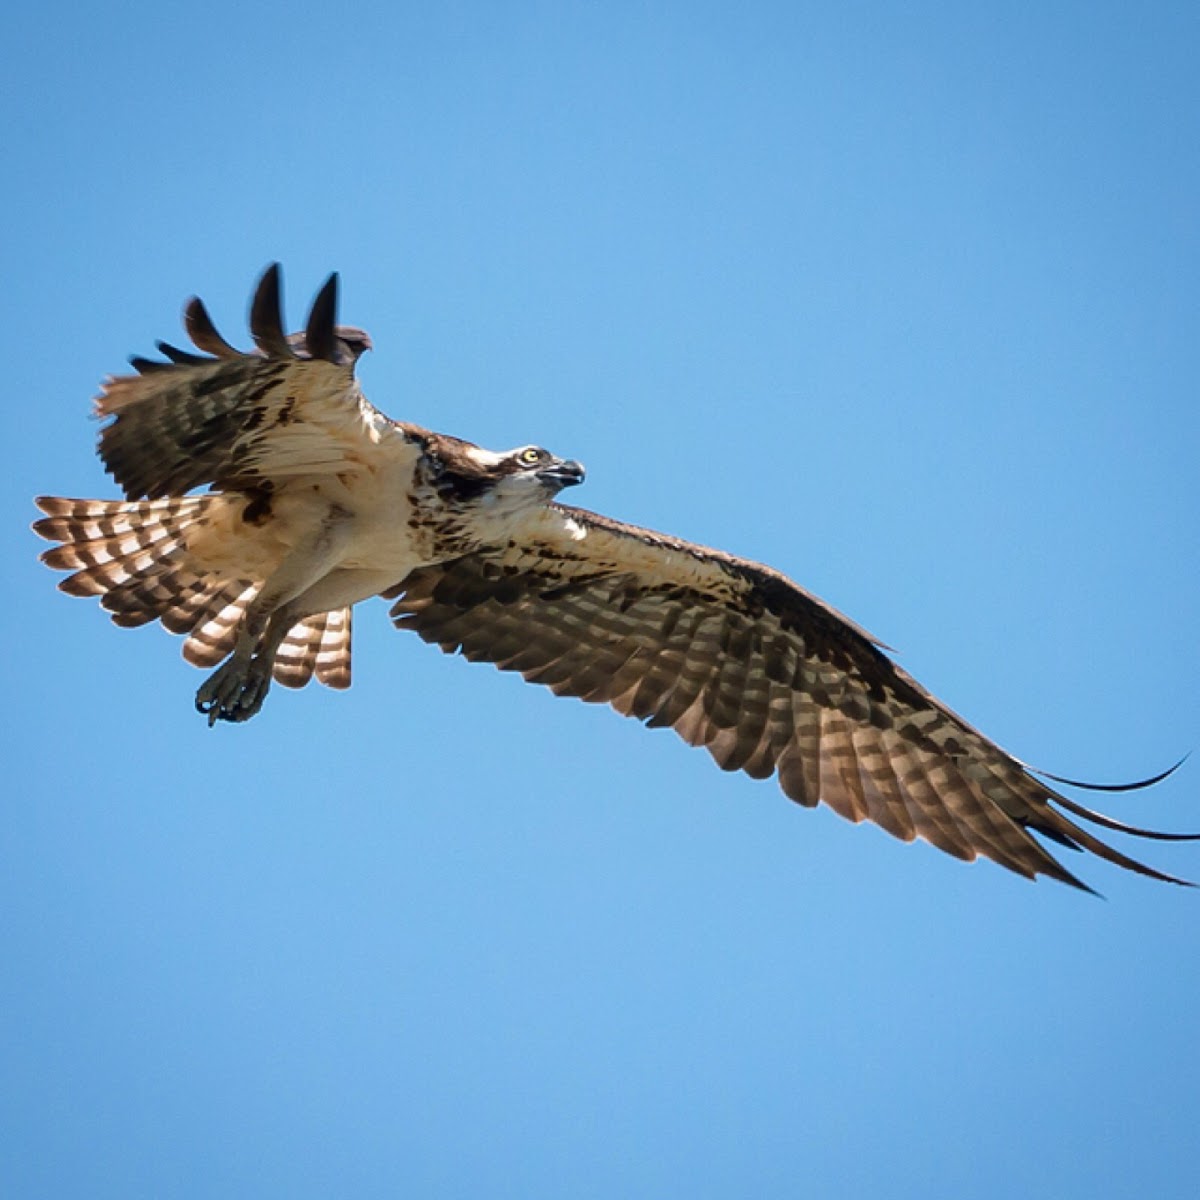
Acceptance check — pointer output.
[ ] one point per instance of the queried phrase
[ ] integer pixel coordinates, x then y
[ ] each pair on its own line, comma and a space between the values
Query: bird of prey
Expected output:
315, 500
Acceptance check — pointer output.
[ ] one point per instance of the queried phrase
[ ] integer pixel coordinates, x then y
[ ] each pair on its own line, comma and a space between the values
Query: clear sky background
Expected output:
901, 299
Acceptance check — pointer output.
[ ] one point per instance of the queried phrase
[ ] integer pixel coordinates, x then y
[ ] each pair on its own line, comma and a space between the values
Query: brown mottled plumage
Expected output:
317, 501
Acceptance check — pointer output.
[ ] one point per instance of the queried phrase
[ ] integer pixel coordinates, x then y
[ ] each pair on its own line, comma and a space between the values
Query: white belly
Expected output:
377, 538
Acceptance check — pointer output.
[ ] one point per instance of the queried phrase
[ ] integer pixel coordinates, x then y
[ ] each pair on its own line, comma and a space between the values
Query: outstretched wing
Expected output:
240, 420
736, 658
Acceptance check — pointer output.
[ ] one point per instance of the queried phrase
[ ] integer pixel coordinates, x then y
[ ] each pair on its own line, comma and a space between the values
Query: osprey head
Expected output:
532, 466
511, 479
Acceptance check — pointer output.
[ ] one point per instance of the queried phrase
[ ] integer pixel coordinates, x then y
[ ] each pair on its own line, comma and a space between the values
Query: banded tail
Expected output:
133, 556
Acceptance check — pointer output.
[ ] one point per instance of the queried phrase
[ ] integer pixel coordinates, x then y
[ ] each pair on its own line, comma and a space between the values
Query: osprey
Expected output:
316, 501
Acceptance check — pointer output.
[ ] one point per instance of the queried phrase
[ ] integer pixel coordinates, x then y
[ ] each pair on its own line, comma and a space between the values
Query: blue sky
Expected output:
901, 299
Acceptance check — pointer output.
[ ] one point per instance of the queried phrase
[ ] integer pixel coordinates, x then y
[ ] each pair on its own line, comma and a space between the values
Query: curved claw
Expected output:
235, 691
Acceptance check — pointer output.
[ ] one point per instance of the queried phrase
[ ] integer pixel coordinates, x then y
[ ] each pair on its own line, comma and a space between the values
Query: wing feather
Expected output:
736, 658
266, 316
229, 419
203, 332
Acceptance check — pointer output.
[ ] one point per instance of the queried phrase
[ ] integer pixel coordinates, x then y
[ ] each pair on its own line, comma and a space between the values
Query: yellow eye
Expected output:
530, 456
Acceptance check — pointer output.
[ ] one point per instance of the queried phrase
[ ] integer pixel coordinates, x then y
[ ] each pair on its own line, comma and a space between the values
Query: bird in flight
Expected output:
315, 500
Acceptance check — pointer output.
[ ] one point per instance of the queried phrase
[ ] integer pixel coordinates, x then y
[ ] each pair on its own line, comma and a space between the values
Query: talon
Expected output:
234, 691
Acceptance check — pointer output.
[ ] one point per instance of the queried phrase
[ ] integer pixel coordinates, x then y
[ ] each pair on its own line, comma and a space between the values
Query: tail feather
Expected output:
215, 630
95, 532
99, 552
185, 610
157, 588
296, 658
133, 557
333, 657
116, 548
318, 645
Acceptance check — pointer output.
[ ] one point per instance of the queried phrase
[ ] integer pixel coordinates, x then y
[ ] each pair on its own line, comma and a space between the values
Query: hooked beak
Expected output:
562, 473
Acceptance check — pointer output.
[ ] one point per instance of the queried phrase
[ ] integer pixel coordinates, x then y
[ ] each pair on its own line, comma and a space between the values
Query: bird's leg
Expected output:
235, 691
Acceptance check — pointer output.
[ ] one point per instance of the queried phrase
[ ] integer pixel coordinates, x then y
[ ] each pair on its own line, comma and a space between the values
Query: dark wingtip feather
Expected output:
203, 332
147, 366
319, 335
266, 316
1136, 785
184, 357
1107, 822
